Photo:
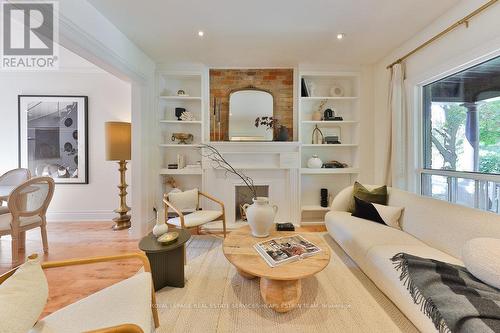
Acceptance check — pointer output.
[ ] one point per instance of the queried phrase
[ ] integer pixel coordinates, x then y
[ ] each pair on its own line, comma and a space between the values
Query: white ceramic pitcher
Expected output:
260, 216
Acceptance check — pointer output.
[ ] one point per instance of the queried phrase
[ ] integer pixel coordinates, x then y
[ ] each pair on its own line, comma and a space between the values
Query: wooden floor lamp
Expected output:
118, 148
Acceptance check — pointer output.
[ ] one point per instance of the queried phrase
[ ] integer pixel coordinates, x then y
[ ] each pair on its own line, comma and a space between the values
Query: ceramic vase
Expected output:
315, 162
317, 115
282, 134
260, 216
160, 227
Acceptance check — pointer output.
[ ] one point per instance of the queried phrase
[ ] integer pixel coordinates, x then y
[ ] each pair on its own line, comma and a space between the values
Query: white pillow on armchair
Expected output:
186, 202
23, 297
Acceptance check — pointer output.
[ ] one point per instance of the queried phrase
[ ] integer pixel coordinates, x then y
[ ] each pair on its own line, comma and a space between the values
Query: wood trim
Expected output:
221, 204
178, 212
125, 328
92, 260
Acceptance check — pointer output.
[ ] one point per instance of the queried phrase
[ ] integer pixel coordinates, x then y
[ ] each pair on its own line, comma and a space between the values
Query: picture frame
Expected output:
53, 137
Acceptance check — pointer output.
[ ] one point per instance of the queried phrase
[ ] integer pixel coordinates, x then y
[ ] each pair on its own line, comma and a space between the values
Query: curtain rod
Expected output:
464, 20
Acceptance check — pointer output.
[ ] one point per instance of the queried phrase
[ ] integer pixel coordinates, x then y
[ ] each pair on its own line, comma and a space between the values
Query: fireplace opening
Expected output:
243, 195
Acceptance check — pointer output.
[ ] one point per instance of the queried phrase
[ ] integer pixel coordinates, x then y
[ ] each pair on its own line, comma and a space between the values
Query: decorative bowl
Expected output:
168, 238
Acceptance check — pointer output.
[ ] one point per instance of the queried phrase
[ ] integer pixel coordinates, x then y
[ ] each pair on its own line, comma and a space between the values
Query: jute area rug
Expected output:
216, 299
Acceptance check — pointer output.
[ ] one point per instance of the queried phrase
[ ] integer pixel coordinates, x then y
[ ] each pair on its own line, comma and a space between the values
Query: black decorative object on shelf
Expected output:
328, 114
333, 139
304, 91
324, 197
178, 113
285, 227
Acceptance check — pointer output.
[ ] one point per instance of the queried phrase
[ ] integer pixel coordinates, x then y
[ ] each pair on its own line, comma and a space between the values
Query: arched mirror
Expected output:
245, 106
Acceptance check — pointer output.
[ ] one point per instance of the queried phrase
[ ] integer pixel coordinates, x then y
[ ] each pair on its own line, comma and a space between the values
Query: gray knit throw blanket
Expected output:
449, 295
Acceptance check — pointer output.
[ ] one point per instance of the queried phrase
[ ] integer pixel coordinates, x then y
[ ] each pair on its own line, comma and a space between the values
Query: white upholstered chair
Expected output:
194, 217
27, 206
13, 178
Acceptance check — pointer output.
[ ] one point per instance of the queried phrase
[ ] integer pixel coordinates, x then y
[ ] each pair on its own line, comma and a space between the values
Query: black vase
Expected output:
324, 197
282, 134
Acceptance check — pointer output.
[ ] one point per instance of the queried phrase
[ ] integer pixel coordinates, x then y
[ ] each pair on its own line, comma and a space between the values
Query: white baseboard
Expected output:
103, 215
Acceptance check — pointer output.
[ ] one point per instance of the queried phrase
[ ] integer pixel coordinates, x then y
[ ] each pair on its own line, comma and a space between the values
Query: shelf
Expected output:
180, 121
345, 145
330, 123
176, 145
314, 208
185, 171
327, 171
316, 98
181, 98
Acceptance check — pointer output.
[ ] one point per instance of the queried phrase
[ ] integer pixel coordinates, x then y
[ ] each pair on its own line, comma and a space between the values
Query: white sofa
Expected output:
430, 228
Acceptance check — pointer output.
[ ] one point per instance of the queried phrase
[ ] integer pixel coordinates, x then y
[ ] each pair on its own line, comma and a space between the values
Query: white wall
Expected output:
109, 99
461, 48
85, 31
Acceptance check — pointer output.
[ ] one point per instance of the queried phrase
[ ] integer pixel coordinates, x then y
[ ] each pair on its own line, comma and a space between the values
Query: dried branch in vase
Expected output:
218, 162
269, 122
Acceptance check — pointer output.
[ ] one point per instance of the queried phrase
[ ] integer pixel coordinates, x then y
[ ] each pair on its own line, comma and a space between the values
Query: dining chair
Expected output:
27, 205
14, 177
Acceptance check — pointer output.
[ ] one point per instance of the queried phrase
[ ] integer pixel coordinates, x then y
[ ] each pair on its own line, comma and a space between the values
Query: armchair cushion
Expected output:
22, 298
128, 301
197, 218
4, 210
186, 201
5, 220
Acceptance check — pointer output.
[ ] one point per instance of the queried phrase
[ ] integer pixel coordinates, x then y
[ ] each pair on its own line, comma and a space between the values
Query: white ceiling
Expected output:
270, 32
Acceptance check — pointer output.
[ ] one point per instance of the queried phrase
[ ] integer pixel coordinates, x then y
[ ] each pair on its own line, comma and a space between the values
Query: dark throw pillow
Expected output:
382, 214
366, 210
377, 195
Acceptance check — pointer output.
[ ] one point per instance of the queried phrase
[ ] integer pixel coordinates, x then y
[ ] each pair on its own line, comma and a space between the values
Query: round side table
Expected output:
167, 261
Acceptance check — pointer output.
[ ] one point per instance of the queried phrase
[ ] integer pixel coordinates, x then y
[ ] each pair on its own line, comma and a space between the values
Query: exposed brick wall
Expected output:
279, 82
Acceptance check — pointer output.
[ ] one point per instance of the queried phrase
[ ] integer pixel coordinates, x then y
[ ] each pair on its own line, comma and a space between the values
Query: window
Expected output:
461, 137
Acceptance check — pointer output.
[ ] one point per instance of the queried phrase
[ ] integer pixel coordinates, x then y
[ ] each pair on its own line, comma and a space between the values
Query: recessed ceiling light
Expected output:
340, 36
201, 33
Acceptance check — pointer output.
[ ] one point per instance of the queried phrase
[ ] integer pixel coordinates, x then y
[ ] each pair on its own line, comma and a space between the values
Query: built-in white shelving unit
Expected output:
347, 106
282, 165
169, 84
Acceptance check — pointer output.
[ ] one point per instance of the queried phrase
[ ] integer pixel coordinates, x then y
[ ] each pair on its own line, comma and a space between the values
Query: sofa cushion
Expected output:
381, 271
22, 298
128, 301
443, 225
481, 259
357, 236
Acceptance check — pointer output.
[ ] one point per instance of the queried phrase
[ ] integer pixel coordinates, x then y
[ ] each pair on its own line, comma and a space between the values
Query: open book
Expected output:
278, 251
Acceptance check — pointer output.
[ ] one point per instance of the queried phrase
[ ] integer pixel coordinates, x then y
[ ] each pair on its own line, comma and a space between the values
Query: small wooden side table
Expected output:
167, 261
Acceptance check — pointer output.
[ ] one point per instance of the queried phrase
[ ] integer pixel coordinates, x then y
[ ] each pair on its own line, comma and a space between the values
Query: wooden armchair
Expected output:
198, 217
123, 328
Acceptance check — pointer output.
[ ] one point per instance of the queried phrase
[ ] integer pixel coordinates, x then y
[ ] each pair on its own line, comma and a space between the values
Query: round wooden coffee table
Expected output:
280, 286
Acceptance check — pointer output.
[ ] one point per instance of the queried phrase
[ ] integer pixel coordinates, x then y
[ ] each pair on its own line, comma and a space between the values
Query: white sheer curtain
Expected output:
397, 166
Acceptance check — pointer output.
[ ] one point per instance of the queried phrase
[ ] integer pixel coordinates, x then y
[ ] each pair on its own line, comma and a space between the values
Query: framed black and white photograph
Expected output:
53, 137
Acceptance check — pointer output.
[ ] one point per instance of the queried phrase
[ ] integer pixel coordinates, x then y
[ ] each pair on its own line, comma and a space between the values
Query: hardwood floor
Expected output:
82, 239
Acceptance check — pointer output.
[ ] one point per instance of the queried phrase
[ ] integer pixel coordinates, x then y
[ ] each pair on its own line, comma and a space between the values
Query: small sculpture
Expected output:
183, 138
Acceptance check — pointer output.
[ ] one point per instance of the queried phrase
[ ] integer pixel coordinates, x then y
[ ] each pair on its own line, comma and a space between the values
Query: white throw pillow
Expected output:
481, 258
22, 298
389, 214
186, 202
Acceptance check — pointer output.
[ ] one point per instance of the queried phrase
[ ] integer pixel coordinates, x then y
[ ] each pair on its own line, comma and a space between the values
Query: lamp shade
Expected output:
118, 141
